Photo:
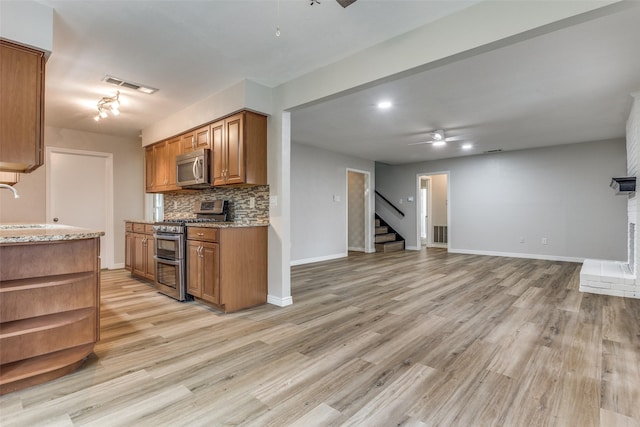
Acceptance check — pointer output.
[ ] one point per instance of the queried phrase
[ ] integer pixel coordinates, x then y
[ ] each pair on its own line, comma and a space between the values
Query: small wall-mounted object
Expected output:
624, 185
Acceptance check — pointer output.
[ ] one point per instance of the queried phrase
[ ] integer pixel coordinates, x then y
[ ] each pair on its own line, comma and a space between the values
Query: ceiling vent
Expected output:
498, 150
130, 85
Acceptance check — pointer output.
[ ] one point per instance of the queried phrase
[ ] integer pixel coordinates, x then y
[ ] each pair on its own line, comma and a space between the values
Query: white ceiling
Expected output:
570, 85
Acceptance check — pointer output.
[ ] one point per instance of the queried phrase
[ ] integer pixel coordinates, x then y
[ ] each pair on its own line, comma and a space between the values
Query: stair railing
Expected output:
390, 204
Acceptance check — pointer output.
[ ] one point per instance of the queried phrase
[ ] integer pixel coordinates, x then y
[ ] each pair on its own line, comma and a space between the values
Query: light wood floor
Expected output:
409, 338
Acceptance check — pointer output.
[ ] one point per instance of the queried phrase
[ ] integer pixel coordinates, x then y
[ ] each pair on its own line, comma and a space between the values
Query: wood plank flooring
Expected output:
407, 339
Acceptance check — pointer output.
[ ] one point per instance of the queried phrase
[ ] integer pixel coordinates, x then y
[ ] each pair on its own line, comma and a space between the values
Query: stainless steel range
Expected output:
170, 247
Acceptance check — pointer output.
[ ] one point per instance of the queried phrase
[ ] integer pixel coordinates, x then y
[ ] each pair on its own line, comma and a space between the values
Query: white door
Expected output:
79, 193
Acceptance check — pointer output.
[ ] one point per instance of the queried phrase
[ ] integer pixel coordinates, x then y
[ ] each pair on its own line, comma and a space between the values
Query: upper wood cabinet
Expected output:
196, 139
9, 178
239, 145
160, 165
21, 107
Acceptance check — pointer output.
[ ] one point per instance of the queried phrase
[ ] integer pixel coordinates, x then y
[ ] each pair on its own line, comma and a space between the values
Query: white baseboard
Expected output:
438, 245
412, 248
517, 255
317, 259
356, 249
280, 302
117, 266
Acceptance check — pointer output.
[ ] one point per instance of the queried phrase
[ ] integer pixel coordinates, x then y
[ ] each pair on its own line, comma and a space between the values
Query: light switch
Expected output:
336, 198
410, 199
273, 200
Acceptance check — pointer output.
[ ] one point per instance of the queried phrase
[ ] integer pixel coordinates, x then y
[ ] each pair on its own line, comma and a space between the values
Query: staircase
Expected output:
386, 239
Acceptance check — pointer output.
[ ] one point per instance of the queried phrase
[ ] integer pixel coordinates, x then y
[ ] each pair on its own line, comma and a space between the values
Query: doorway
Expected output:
432, 210
359, 232
80, 193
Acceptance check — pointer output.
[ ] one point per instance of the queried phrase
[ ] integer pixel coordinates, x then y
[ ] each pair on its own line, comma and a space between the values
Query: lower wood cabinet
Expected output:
49, 309
139, 248
203, 272
227, 267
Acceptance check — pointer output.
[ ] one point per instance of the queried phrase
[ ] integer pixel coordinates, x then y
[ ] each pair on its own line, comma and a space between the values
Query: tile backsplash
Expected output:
180, 205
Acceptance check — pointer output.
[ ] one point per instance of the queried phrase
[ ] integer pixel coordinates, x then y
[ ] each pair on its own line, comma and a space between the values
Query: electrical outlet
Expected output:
545, 241
252, 202
273, 200
336, 198
522, 240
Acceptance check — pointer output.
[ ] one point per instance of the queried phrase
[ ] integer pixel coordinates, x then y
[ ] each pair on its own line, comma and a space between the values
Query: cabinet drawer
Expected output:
128, 226
148, 229
202, 233
138, 227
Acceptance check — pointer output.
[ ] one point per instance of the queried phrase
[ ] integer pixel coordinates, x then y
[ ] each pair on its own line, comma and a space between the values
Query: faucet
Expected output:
15, 192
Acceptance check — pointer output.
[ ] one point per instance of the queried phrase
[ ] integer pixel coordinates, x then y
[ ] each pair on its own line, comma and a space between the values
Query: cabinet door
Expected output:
160, 178
194, 269
234, 167
210, 272
139, 255
21, 107
195, 140
148, 169
218, 153
173, 149
150, 262
128, 250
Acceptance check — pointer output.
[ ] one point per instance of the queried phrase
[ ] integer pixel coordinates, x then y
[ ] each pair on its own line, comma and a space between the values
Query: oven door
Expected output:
170, 277
169, 246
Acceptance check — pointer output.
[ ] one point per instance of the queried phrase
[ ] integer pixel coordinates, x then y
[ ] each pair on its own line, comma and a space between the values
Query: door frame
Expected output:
108, 231
430, 243
368, 211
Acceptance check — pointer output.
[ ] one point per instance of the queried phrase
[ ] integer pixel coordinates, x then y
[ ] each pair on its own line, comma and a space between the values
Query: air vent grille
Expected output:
497, 150
130, 85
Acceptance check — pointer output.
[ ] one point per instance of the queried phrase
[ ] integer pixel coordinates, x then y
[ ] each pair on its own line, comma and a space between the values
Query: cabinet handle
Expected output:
193, 142
200, 234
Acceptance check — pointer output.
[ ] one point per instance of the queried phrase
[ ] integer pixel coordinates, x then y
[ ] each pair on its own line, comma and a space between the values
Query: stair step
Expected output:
382, 229
389, 237
377, 222
395, 246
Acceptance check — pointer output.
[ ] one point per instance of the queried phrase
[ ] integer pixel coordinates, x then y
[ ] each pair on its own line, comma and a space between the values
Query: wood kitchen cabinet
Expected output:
22, 72
160, 165
9, 178
239, 145
227, 267
139, 250
195, 140
203, 273
49, 309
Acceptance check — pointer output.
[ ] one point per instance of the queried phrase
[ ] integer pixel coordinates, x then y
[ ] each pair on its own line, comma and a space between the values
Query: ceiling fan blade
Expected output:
420, 143
345, 3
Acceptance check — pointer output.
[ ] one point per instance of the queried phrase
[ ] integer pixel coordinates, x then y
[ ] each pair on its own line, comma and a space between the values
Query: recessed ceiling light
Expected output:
467, 146
383, 105
439, 143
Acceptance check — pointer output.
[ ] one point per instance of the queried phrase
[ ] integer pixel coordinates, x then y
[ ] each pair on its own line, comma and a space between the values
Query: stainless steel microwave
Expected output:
192, 169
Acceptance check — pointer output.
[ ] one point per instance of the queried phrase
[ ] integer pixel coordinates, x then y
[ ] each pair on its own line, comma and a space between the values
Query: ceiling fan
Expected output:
343, 3
436, 137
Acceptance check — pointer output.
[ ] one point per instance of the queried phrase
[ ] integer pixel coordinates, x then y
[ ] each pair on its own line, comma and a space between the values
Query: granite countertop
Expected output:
228, 224
141, 221
25, 233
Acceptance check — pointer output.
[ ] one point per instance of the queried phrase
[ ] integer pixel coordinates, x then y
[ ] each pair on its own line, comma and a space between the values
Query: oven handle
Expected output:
174, 237
167, 261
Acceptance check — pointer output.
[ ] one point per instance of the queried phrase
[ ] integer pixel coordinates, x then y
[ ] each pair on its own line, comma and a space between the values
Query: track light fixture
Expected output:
111, 104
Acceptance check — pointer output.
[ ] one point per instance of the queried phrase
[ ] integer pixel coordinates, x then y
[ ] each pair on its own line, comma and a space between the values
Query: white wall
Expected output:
318, 223
38, 33
128, 182
561, 193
